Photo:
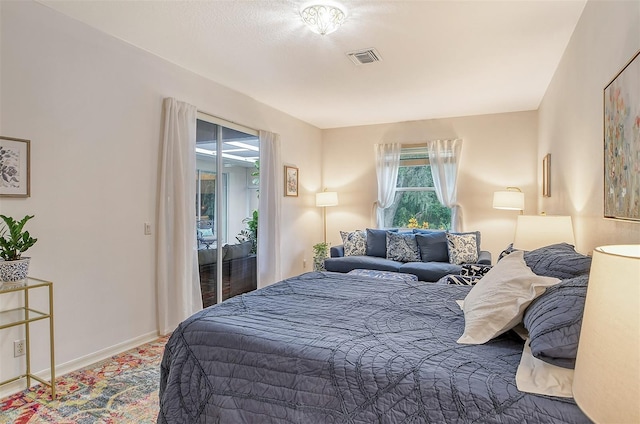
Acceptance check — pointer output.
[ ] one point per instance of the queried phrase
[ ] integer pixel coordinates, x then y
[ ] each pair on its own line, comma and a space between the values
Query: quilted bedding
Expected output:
338, 348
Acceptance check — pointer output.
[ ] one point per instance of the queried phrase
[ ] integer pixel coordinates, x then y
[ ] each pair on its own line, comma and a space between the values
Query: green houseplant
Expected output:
320, 252
14, 241
251, 232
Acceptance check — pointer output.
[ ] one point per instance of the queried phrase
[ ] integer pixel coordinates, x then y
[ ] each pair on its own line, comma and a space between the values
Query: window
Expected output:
416, 204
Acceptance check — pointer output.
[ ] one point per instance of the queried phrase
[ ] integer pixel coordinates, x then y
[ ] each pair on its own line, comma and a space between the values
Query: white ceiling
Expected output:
439, 58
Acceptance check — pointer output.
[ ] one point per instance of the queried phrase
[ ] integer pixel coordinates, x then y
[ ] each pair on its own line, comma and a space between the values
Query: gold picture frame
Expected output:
291, 176
15, 161
546, 175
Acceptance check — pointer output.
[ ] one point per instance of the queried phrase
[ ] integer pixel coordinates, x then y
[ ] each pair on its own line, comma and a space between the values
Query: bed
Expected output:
339, 348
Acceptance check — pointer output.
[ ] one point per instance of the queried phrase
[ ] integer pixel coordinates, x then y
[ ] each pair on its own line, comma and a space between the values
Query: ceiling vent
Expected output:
364, 57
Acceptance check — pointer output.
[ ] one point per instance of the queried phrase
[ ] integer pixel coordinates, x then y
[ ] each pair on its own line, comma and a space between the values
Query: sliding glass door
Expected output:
227, 181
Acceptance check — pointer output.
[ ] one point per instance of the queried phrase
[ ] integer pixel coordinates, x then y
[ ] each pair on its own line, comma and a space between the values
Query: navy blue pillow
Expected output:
377, 242
558, 260
554, 321
433, 246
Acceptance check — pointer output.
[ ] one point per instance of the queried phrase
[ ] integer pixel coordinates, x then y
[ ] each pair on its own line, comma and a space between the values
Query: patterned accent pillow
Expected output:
355, 243
459, 280
402, 247
474, 270
384, 275
463, 248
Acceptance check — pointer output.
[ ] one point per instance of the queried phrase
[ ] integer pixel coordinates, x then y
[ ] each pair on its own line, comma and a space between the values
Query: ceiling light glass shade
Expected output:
512, 199
535, 231
326, 198
605, 382
323, 18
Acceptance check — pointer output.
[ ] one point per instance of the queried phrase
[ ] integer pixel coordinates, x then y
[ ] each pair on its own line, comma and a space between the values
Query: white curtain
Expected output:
444, 156
387, 164
176, 259
269, 210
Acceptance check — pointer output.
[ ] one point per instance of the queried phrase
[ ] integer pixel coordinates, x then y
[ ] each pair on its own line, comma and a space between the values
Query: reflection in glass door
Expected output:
227, 180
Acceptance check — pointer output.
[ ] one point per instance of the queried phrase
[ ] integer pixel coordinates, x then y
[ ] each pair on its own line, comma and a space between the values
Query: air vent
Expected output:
364, 57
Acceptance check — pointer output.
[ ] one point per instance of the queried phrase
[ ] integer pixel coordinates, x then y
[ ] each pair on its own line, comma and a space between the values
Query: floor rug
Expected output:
122, 389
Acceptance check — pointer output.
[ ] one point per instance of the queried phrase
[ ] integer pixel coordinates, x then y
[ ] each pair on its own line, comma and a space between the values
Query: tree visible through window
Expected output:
416, 204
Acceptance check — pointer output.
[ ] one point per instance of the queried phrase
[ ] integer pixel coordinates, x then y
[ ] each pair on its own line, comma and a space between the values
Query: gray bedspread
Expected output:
334, 348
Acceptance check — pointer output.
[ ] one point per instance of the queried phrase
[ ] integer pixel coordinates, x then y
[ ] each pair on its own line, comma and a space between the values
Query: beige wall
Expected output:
91, 106
571, 121
498, 151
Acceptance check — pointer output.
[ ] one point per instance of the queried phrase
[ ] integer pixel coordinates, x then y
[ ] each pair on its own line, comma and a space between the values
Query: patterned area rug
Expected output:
122, 389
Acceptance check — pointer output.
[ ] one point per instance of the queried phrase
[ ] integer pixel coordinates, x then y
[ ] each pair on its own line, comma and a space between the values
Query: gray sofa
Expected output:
434, 255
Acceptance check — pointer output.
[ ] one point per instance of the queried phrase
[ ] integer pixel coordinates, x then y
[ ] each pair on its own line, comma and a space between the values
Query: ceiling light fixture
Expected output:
323, 18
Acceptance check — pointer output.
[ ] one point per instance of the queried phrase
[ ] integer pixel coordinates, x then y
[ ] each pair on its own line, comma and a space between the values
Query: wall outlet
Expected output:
19, 348
147, 229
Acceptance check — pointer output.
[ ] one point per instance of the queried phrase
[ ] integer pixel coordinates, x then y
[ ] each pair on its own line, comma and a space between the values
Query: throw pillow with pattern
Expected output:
402, 247
463, 248
355, 242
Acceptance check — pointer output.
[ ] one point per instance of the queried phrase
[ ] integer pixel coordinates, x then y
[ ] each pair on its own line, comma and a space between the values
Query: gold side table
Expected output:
25, 315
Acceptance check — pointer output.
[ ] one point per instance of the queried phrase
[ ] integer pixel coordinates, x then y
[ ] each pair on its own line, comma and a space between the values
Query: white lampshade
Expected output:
606, 382
511, 200
534, 231
326, 198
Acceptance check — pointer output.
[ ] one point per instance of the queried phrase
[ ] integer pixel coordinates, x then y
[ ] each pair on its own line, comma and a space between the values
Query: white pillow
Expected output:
536, 376
498, 300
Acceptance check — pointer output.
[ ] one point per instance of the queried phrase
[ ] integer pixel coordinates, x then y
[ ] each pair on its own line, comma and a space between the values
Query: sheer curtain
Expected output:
176, 260
387, 164
444, 156
269, 207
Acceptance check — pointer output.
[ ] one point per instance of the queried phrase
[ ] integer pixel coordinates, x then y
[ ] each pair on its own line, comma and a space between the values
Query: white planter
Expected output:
14, 271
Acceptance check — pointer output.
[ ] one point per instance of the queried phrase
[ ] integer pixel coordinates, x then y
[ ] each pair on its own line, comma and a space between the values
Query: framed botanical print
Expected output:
290, 181
14, 167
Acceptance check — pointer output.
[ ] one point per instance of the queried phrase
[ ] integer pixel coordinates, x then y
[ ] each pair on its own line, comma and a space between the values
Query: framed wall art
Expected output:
290, 181
14, 167
622, 143
546, 175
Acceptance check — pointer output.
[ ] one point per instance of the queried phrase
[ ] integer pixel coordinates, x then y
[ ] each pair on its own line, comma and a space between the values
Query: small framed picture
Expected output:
14, 167
546, 175
290, 181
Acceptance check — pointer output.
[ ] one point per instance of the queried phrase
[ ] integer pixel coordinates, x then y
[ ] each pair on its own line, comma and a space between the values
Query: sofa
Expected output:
427, 254
239, 271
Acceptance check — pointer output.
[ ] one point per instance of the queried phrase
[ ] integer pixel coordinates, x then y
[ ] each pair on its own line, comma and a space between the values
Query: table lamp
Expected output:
534, 231
510, 199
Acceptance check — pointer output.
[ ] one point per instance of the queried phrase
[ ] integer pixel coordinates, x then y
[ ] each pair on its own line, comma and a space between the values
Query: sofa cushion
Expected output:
430, 271
402, 247
208, 256
433, 246
349, 263
355, 242
235, 251
463, 248
377, 242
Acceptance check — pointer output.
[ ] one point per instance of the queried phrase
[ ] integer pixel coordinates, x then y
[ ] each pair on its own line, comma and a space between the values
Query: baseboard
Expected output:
76, 364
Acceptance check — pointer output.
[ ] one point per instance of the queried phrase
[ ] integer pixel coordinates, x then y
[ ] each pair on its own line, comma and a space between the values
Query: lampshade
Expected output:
326, 198
606, 382
511, 199
534, 231
323, 18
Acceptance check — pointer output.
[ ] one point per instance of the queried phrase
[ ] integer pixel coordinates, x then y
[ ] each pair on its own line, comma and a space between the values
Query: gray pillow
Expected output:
558, 260
237, 251
377, 242
402, 247
554, 321
433, 246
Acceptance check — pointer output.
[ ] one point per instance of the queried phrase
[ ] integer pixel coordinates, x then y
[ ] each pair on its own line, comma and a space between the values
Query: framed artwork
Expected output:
14, 167
546, 175
290, 181
622, 143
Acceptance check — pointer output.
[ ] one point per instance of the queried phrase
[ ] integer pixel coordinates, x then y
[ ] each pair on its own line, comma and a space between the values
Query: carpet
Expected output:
122, 389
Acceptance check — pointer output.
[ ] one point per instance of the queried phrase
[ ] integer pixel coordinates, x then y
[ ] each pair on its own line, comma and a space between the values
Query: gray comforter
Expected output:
334, 348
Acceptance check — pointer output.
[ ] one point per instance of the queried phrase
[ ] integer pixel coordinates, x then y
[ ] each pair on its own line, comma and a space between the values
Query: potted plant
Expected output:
13, 242
320, 252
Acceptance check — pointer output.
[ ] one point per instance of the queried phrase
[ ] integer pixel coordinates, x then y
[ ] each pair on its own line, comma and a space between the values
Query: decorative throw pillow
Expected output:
554, 321
206, 232
433, 246
558, 260
463, 248
402, 247
383, 275
498, 301
355, 243
377, 242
